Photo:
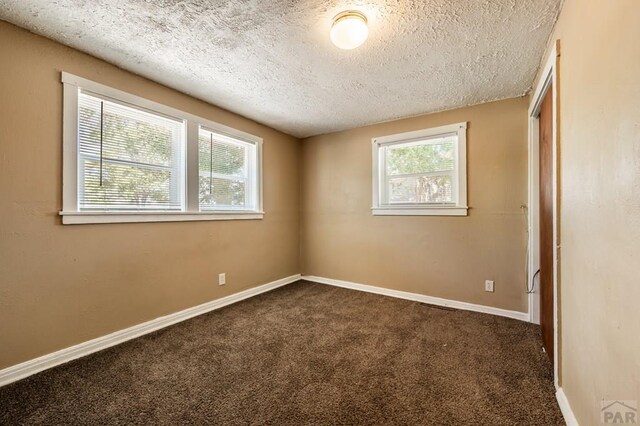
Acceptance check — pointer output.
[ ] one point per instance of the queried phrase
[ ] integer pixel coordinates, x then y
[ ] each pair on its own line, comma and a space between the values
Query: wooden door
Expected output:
546, 222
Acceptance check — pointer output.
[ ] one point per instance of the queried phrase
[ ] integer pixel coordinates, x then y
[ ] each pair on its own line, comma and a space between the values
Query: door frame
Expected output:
548, 78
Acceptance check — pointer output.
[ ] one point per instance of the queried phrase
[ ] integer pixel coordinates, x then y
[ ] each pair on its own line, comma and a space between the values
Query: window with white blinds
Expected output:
421, 172
227, 171
129, 159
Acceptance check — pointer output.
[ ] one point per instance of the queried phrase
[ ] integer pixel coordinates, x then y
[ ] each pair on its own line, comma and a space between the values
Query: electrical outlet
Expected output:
222, 279
488, 286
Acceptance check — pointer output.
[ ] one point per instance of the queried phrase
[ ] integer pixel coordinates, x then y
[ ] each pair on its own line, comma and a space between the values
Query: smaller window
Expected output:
421, 173
227, 169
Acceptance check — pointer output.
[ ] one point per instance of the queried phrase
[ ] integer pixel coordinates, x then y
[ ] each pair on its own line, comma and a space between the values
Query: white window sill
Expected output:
420, 211
77, 218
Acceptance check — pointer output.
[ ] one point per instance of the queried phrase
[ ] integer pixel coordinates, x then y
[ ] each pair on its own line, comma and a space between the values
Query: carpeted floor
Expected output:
305, 354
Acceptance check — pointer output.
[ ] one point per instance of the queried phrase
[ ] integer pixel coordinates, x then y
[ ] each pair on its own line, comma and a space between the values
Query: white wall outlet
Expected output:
222, 279
488, 286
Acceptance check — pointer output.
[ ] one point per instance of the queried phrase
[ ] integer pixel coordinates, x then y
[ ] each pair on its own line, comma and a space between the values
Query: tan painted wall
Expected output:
446, 257
62, 285
599, 84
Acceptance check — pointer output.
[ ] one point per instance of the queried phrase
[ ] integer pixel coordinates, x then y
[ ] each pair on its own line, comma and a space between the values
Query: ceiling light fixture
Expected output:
349, 29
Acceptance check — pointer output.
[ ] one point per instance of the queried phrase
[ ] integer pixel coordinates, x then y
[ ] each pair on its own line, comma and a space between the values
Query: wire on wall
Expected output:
529, 286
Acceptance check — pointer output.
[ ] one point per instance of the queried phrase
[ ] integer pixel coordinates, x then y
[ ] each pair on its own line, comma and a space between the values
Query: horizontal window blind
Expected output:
128, 158
420, 172
227, 170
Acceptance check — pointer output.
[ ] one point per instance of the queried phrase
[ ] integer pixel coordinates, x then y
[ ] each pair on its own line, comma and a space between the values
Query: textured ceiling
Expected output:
272, 61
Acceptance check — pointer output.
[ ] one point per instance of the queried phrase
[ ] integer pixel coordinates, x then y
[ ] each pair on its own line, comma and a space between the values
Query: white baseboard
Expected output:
27, 368
567, 412
522, 316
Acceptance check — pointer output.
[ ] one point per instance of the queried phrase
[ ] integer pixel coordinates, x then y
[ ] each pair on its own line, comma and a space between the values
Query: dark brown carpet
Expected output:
305, 354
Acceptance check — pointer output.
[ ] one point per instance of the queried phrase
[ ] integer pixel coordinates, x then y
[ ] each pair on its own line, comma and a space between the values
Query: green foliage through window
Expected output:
129, 158
420, 172
223, 172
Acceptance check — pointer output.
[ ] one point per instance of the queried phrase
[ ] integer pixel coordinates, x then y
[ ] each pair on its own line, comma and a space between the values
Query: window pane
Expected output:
221, 158
220, 193
226, 172
131, 159
124, 186
434, 156
420, 189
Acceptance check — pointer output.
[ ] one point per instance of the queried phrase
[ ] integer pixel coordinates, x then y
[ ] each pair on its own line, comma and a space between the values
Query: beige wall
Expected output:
446, 257
599, 94
62, 285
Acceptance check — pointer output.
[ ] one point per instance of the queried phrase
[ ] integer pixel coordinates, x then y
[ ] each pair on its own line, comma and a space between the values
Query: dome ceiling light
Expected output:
349, 29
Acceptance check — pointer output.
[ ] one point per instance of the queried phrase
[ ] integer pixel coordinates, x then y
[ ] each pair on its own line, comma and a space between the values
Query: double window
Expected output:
128, 159
421, 173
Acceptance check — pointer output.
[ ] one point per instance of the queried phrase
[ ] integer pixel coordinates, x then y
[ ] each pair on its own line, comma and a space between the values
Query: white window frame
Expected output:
457, 208
190, 211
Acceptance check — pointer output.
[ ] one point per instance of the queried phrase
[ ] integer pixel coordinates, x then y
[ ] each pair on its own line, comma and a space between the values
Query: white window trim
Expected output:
455, 209
191, 212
